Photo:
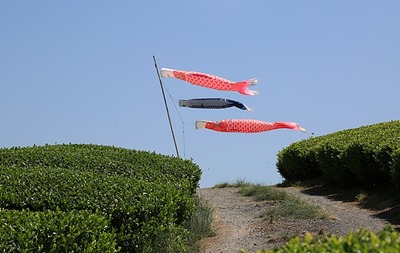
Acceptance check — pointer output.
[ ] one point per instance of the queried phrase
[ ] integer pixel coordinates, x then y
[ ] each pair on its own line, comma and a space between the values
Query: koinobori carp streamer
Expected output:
211, 81
246, 125
213, 103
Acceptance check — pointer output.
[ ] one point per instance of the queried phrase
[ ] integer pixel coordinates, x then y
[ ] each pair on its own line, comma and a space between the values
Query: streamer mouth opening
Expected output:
182, 103
200, 124
167, 72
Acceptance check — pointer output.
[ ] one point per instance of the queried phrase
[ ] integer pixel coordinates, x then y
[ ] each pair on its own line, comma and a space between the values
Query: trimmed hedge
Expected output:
148, 197
55, 231
299, 161
138, 209
108, 160
365, 156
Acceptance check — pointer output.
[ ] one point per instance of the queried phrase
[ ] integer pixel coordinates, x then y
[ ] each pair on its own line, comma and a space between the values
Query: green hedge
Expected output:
103, 159
139, 209
299, 161
55, 231
364, 155
148, 197
360, 241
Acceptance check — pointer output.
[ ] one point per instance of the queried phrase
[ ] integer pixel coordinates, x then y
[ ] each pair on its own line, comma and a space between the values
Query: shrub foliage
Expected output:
368, 156
144, 198
56, 231
360, 241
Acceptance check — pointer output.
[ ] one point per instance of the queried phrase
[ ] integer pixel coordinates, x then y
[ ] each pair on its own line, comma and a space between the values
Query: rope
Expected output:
183, 123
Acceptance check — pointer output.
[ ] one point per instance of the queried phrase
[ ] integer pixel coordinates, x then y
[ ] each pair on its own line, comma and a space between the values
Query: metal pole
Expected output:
166, 107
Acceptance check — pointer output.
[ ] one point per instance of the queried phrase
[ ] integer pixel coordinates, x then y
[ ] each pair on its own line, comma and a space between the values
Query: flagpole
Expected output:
166, 107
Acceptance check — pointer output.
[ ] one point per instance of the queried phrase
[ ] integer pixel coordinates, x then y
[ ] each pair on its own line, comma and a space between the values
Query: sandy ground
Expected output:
238, 225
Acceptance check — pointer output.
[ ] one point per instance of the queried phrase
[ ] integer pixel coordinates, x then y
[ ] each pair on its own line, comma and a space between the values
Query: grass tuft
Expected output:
237, 184
261, 193
199, 226
287, 206
361, 197
294, 208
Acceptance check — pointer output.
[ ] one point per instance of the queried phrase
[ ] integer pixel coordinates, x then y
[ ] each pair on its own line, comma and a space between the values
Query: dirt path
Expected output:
238, 225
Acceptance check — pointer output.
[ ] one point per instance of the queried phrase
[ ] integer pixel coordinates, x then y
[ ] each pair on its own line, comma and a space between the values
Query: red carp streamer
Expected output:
246, 125
210, 81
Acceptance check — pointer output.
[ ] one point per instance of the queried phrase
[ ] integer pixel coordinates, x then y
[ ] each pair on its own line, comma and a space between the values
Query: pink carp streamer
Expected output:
210, 81
246, 125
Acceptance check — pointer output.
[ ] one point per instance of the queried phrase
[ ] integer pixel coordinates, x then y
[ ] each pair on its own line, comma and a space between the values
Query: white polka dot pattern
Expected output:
249, 126
215, 82
209, 81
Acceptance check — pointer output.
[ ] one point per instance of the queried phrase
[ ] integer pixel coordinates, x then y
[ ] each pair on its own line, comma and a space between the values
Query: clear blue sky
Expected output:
83, 72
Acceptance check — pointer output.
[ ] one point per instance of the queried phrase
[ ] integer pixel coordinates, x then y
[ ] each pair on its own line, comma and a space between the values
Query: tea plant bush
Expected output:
56, 231
360, 241
103, 159
147, 197
366, 156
